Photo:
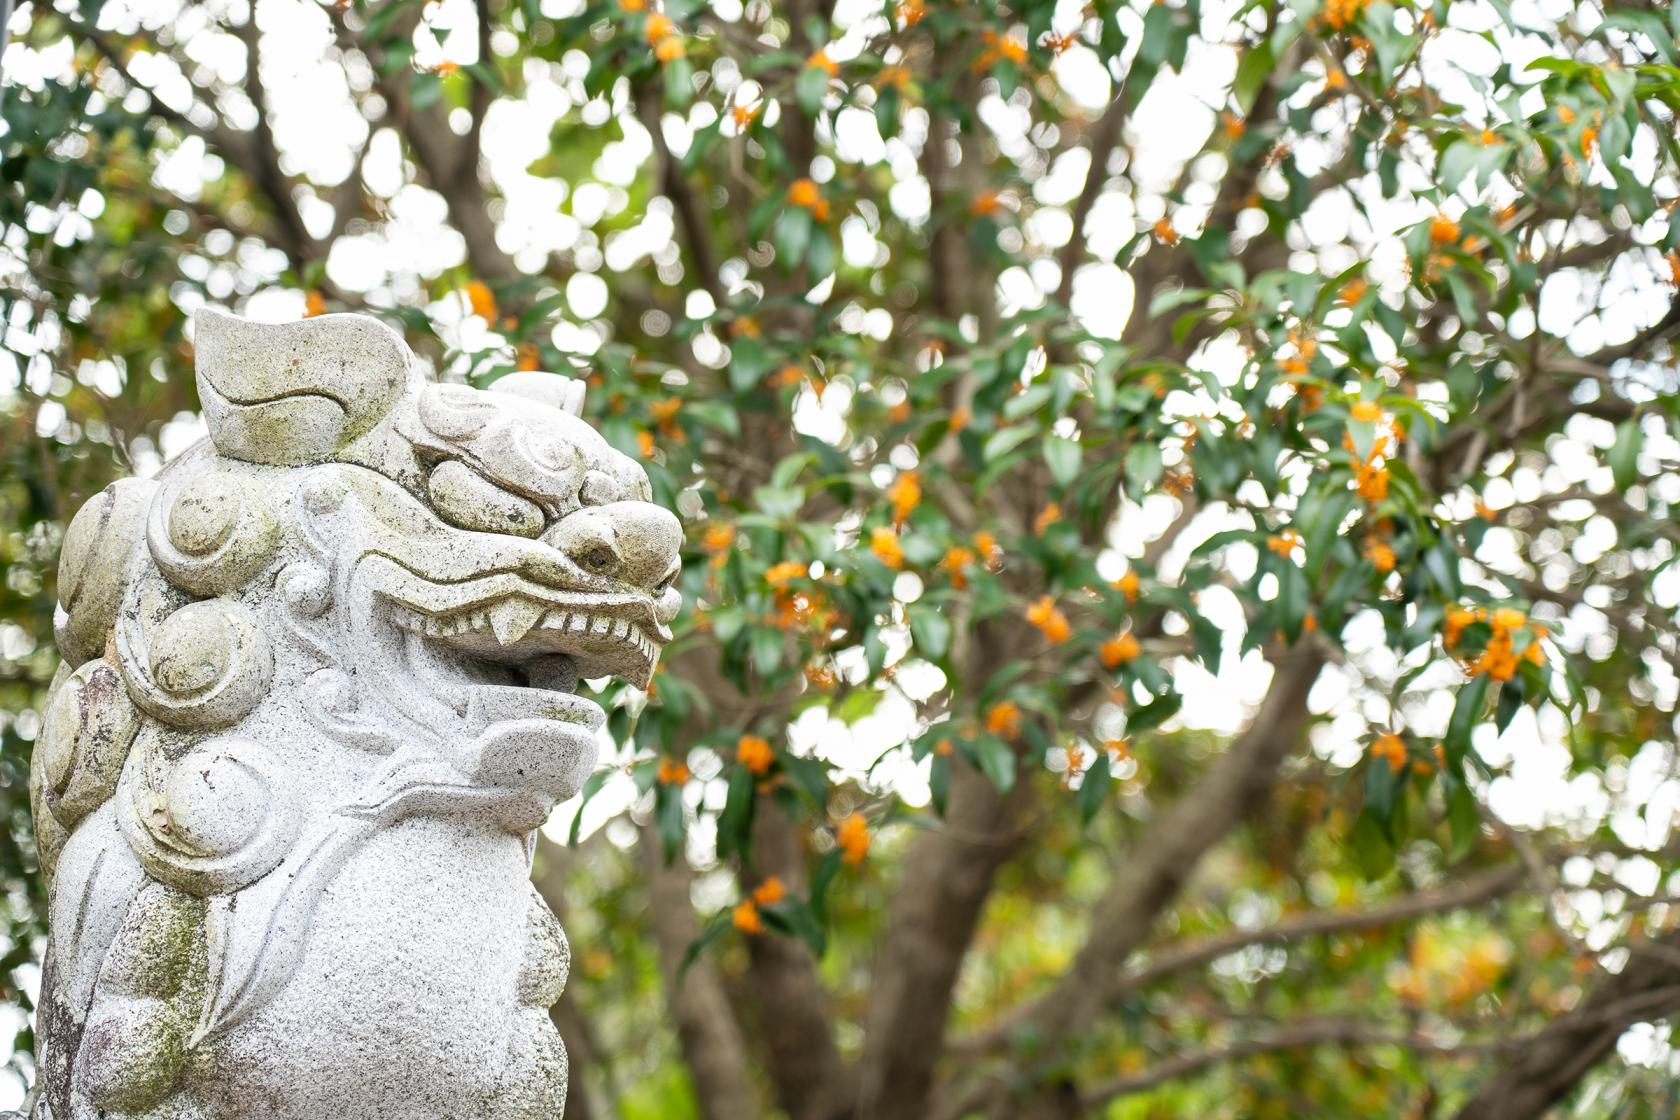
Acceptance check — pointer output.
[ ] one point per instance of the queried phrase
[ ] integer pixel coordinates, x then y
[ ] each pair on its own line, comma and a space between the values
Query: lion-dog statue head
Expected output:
319, 688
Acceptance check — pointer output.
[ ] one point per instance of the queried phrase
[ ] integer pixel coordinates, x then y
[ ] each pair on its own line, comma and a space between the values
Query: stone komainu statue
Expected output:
318, 691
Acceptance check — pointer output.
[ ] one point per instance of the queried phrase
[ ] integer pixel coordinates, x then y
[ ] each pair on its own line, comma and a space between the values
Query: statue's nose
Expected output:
633, 542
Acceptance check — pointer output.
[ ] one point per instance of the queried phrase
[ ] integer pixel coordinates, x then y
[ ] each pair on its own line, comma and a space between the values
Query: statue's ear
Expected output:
553, 389
289, 393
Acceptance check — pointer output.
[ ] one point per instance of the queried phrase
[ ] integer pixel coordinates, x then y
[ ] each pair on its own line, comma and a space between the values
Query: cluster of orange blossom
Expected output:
1284, 542
755, 754
1003, 719
661, 35
1380, 553
1370, 473
905, 494
1119, 649
745, 917
1340, 14
482, 300
1305, 346
1391, 749
1048, 618
956, 563
999, 48
1500, 658
805, 194
884, 543
852, 838
672, 772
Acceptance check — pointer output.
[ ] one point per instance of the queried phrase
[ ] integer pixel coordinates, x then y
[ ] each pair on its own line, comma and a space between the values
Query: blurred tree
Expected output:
1181, 619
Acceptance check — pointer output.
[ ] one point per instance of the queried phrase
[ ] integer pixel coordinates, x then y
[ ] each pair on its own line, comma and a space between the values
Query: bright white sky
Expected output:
318, 130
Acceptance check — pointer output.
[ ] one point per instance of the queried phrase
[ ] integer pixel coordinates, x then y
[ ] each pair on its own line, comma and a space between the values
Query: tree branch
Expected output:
1543, 1072
793, 1006
1150, 881
1312, 1032
707, 1031
948, 874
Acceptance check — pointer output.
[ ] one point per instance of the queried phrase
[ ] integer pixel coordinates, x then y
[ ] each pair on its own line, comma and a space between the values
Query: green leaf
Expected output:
996, 760
793, 236
767, 644
670, 819
591, 786
931, 631
1371, 847
1463, 818
1467, 710
1143, 466
939, 782
749, 361
1093, 790
1624, 453
734, 824
809, 89
1154, 713
1063, 455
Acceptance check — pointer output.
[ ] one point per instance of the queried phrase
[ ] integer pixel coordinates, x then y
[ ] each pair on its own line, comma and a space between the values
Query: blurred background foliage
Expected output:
1181, 619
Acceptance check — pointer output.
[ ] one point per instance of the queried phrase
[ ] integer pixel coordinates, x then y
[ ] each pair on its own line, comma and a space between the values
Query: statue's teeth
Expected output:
601, 626
620, 628
512, 619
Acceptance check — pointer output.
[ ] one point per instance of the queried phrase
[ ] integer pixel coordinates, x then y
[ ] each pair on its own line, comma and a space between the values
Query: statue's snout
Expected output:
632, 542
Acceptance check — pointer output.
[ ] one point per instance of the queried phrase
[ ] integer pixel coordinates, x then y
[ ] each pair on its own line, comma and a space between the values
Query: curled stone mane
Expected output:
319, 688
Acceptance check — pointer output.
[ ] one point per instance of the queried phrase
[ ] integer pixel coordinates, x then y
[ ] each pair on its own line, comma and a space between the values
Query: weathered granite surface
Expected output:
318, 691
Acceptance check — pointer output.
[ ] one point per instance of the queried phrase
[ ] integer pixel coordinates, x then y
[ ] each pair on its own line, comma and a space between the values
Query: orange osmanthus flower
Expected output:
1003, 719
1443, 230
1370, 481
852, 838
755, 754
746, 918
672, 772
1118, 650
314, 303
1128, 585
769, 892
658, 27
1049, 619
884, 543
905, 494
1391, 749
805, 194
1284, 543
482, 300
781, 574
956, 564
1380, 554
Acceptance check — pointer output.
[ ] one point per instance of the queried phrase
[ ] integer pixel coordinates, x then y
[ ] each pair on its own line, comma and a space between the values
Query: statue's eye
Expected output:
468, 501
599, 488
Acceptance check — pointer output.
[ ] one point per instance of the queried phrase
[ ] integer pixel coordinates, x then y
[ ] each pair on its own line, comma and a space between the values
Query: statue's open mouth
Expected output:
502, 647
